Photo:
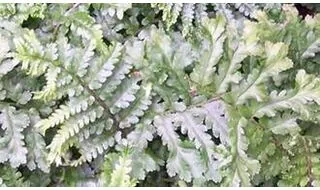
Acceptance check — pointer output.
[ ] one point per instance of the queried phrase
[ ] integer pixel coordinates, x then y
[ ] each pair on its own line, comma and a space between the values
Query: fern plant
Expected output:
158, 94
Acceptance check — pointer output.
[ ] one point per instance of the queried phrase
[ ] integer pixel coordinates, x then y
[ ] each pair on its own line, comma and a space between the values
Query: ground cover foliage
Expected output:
159, 95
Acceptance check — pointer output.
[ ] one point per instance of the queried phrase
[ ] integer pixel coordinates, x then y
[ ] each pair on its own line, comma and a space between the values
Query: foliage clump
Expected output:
159, 95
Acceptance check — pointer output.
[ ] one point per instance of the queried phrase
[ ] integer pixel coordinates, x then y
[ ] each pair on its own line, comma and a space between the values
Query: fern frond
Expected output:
112, 9
276, 62
243, 167
21, 12
183, 160
37, 153
203, 72
10, 177
306, 90
312, 50
12, 143
119, 167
